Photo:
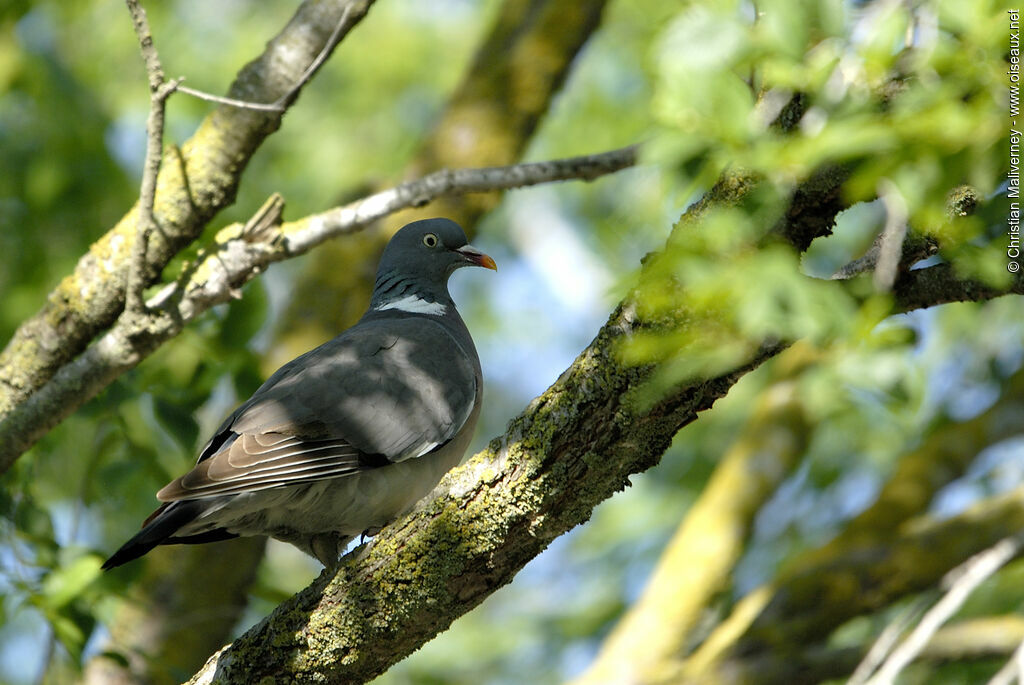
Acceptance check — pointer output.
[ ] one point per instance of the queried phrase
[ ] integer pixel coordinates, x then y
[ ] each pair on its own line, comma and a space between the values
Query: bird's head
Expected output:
419, 259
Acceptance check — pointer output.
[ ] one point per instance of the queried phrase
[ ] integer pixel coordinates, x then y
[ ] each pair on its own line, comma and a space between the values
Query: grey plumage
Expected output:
348, 436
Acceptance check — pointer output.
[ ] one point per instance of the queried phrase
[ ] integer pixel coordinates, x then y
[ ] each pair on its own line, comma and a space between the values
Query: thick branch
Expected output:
239, 255
192, 187
939, 284
573, 447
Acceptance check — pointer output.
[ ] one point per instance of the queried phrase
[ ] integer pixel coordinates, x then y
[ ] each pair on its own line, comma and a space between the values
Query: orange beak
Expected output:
477, 257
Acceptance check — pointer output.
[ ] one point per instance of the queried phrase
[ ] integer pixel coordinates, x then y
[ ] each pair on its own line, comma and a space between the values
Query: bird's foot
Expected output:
369, 533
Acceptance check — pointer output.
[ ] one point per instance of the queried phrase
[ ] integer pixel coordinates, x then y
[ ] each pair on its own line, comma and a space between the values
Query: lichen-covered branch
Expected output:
573, 447
195, 183
330, 291
241, 253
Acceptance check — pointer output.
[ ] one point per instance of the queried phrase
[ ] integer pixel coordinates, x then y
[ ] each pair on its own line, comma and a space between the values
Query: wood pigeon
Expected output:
342, 440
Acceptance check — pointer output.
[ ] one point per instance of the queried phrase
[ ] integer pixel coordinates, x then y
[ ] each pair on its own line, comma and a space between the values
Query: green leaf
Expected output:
66, 583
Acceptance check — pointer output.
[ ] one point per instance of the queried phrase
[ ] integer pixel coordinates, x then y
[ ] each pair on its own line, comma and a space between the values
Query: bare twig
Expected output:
888, 639
282, 103
961, 582
332, 43
232, 102
319, 227
159, 91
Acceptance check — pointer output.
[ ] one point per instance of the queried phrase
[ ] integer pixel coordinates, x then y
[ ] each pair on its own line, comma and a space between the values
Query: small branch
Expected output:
887, 640
961, 582
315, 229
282, 103
88, 302
940, 284
1012, 671
159, 91
154, 71
332, 42
232, 102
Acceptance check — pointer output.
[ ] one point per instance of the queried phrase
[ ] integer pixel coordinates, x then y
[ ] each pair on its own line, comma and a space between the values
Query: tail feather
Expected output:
159, 529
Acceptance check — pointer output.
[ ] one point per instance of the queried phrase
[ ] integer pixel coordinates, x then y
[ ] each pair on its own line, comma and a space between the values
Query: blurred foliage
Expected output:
701, 83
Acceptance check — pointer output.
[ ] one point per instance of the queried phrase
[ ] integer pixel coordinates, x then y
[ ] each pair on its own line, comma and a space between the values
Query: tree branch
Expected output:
810, 597
151, 166
1013, 670
971, 639
912, 558
282, 103
313, 230
159, 91
241, 253
201, 181
939, 284
572, 447
893, 234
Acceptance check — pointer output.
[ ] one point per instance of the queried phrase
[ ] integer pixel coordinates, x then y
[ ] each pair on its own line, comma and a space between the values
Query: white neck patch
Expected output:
414, 305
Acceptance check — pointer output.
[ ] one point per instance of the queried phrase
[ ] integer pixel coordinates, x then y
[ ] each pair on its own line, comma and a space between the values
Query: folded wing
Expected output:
373, 396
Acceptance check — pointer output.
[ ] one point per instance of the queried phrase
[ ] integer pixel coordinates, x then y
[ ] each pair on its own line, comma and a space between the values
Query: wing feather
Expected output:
381, 392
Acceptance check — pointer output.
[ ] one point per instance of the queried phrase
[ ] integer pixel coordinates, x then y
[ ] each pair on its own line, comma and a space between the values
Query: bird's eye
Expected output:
430, 240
